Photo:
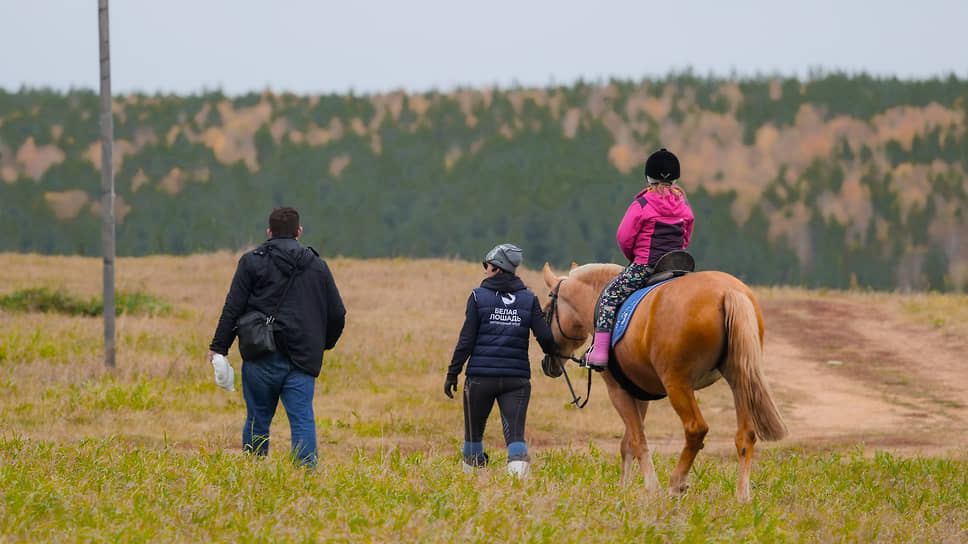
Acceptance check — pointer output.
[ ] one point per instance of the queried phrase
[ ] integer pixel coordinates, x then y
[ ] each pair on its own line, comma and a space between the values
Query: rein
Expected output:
575, 399
554, 314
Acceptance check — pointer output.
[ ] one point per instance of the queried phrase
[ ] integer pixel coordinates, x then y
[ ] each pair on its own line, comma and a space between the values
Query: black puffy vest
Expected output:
503, 334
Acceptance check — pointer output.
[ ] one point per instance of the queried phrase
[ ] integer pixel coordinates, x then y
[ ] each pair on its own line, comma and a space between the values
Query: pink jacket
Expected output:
655, 225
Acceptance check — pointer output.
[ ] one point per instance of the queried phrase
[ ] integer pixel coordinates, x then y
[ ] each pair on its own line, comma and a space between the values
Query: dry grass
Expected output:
389, 438
380, 386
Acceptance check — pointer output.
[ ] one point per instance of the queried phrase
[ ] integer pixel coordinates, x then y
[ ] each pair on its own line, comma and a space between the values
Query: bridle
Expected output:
555, 315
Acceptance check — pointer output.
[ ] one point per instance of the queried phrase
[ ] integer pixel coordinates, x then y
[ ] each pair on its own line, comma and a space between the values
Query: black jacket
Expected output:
311, 317
504, 283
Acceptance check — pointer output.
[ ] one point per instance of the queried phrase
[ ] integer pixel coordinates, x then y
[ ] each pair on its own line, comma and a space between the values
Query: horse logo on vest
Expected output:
508, 298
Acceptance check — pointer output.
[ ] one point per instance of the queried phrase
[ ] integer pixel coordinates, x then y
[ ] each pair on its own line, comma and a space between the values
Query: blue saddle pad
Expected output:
628, 308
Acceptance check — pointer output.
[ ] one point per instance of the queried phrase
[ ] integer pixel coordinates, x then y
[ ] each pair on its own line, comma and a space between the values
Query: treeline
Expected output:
835, 181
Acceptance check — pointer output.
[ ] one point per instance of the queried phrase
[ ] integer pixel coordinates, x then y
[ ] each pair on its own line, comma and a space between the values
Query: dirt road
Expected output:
847, 372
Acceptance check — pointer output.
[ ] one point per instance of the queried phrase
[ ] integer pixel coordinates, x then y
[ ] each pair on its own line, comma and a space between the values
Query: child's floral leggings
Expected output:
627, 282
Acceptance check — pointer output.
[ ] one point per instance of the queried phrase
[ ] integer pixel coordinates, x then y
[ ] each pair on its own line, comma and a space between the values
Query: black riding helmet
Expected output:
662, 166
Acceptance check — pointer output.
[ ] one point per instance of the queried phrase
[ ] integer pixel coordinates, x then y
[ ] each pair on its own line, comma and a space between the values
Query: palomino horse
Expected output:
685, 335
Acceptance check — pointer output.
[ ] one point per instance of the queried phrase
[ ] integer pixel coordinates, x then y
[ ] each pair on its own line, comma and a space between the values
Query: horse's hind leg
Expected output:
634, 445
745, 439
684, 403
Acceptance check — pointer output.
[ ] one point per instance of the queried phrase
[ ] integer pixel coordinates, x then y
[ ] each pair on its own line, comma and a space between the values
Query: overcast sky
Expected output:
308, 46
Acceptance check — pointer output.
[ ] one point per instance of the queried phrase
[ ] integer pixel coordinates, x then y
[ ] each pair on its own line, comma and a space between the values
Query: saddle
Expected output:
670, 266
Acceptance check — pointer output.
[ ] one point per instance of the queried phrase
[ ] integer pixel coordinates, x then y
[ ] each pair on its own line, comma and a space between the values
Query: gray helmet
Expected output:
507, 257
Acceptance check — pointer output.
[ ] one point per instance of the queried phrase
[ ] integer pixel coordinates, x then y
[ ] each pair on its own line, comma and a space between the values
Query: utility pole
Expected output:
107, 182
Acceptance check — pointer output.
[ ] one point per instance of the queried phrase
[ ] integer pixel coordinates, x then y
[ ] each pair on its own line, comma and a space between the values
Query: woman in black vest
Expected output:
500, 316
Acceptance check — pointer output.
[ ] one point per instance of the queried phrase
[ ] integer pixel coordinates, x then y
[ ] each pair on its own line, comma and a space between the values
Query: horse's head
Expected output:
569, 325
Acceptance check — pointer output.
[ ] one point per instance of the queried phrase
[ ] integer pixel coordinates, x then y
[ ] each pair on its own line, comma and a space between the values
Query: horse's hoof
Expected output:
677, 490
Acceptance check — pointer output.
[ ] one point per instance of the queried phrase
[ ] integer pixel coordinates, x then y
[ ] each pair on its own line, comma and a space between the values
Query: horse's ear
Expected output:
549, 276
574, 265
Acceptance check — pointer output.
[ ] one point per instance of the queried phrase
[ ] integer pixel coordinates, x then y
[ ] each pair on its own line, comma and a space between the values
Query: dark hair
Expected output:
284, 222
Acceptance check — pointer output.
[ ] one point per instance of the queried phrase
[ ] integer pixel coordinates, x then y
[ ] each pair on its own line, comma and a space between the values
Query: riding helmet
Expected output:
662, 166
507, 257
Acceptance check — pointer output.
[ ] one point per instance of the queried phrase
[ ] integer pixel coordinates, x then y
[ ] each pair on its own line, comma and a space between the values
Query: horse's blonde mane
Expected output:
595, 273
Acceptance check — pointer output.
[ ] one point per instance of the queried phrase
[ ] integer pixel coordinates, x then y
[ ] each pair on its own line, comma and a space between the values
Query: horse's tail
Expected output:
742, 368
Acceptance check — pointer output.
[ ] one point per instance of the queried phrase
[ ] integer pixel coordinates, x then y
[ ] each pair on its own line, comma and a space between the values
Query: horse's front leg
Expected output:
683, 400
634, 446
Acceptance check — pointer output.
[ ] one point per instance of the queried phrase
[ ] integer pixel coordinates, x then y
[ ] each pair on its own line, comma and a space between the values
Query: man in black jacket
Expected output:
309, 320
500, 316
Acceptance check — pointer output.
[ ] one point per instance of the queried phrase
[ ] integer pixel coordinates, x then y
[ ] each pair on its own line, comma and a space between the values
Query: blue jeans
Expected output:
264, 383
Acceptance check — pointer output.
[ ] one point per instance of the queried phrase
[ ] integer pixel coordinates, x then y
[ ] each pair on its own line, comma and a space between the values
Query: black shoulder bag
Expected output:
256, 329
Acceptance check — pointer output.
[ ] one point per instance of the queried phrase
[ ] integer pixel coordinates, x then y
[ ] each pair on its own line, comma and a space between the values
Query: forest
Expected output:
840, 181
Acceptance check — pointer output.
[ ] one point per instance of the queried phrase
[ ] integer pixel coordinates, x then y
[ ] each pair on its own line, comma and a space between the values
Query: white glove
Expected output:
224, 375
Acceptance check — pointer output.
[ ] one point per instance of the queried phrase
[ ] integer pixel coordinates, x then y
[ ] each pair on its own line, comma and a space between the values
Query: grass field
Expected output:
149, 451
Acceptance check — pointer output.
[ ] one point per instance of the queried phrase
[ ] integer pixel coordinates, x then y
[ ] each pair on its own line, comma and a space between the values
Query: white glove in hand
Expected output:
224, 375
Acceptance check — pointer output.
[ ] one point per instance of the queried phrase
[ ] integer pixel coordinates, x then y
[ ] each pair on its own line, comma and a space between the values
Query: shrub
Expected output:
44, 299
